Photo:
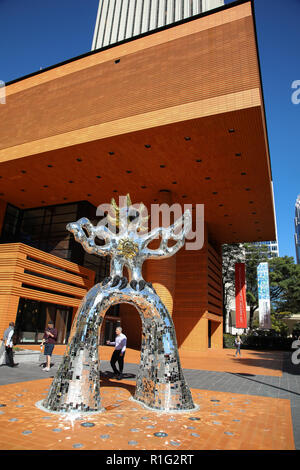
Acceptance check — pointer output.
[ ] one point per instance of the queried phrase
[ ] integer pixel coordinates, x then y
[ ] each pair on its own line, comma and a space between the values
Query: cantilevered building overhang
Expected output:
178, 109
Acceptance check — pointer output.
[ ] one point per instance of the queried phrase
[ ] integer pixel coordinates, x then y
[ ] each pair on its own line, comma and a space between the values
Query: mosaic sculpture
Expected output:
160, 384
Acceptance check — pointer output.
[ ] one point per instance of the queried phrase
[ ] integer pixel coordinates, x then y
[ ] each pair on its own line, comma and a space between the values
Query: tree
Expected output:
285, 284
278, 323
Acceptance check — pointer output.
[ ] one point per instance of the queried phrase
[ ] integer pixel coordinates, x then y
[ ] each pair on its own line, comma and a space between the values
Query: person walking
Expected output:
119, 352
49, 339
238, 343
8, 341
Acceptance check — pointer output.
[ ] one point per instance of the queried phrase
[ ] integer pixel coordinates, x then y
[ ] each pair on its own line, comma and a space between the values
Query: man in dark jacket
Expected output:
49, 339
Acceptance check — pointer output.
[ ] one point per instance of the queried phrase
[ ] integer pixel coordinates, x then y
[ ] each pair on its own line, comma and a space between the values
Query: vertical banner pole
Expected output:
240, 295
264, 304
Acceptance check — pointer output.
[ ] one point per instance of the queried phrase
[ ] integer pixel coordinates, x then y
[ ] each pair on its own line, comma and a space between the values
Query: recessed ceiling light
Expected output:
253, 213
231, 130
65, 198
251, 202
238, 154
128, 171
184, 195
174, 182
187, 138
207, 177
221, 205
88, 195
215, 192
23, 190
111, 153
143, 187
243, 173
23, 171
154, 200
50, 166
162, 166
225, 215
79, 159
71, 181
198, 161
43, 202
247, 189
148, 146
45, 186
115, 191
98, 177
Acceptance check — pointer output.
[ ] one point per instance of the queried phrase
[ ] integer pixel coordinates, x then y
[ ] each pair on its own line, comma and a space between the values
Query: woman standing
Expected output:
238, 343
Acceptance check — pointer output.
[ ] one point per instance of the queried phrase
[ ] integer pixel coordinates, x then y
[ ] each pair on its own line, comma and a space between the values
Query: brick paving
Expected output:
238, 409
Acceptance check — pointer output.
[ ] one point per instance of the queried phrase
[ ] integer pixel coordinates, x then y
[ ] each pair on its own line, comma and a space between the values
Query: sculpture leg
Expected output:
76, 385
160, 382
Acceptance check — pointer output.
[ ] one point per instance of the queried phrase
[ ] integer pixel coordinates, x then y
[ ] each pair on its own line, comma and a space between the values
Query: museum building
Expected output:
174, 114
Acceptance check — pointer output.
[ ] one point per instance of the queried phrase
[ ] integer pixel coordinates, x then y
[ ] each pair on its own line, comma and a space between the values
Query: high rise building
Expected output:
297, 229
272, 246
123, 19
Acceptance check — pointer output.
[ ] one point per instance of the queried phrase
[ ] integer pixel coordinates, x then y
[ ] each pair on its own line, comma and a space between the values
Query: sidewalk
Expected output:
253, 403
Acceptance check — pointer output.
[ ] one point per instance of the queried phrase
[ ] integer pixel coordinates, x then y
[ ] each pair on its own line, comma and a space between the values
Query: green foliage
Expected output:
285, 284
278, 324
228, 340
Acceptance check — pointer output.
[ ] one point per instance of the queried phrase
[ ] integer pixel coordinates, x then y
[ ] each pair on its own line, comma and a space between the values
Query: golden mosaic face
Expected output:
127, 248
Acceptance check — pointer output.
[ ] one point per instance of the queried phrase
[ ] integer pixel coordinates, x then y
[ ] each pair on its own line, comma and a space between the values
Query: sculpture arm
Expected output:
164, 251
83, 226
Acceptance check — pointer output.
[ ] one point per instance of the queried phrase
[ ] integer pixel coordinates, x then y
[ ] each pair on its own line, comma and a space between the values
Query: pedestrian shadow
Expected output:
110, 375
107, 380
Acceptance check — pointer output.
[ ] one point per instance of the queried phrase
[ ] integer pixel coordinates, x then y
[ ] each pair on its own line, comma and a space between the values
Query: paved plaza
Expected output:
247, 403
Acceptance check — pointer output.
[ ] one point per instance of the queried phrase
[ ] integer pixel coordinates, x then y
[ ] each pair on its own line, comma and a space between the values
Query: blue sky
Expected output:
40, 33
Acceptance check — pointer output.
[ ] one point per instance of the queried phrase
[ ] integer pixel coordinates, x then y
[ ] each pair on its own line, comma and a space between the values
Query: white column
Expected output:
109, 22
102, 23
116, 22
161, 13
138, 18
178, 10
187, 8
196, 7
130, 19
123, 20
146, 15
154, 14
170, 11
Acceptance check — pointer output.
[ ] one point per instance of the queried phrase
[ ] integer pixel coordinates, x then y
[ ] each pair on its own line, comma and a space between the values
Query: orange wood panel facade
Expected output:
198, 298
15, 258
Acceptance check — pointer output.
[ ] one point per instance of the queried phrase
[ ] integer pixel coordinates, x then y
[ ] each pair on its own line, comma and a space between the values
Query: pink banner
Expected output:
240, 296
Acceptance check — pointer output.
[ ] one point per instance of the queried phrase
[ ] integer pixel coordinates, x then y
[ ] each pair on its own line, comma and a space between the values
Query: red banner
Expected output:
240, 296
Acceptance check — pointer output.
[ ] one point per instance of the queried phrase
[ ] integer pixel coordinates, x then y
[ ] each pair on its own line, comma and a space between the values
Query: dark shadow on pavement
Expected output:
109, 382
263, 383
